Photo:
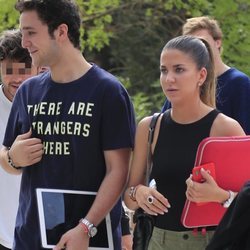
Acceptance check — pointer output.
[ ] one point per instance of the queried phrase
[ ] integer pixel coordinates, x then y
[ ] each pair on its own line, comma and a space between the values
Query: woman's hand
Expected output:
207, 191
151, 201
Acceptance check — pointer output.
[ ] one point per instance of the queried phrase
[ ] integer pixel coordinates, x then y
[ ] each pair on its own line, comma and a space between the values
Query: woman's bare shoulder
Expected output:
226, 126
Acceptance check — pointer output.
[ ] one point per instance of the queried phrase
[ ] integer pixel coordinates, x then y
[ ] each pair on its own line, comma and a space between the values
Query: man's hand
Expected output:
26, 151
74, 239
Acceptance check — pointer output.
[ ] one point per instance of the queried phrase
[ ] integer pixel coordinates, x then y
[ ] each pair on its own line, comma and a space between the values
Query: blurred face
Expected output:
42, 47
180, 79
13, 74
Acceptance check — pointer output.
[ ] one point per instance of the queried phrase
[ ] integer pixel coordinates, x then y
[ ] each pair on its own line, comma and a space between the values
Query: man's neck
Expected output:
7, 94
220, 68
69, 68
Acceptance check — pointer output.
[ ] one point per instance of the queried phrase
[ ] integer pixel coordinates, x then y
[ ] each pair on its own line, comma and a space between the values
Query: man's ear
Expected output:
61, 32
42, 69
218, 44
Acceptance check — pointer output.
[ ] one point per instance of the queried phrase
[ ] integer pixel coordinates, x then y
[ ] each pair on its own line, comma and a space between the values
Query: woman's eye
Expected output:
179, 70
163, 71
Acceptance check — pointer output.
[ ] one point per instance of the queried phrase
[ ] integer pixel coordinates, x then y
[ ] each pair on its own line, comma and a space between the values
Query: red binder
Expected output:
231, 157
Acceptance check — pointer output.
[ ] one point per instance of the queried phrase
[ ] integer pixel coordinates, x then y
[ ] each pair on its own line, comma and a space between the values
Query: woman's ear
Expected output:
202, 76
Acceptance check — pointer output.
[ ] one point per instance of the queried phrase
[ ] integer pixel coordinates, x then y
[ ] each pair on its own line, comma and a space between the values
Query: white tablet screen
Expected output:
61, 210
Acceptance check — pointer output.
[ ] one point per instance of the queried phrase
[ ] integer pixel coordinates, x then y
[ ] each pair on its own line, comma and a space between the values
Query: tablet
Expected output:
231, 158
60, 210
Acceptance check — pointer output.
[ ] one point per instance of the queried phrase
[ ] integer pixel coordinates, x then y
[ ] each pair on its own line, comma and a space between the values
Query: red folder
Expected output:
231, 157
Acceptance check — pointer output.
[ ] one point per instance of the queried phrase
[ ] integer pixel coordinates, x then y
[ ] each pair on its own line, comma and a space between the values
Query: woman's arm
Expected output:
137, 194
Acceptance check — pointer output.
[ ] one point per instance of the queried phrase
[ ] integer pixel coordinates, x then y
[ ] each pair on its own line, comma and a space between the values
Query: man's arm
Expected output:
25, 151
117, 162
4, 162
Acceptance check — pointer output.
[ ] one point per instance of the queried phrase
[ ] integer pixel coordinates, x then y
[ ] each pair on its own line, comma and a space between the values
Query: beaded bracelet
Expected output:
132, 192
11, 163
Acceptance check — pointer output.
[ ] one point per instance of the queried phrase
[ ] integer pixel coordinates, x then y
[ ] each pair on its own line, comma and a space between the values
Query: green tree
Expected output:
8, 15
234, 19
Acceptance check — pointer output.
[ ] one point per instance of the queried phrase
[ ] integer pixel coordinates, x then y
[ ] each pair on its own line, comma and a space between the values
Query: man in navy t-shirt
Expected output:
69, 128
233, 86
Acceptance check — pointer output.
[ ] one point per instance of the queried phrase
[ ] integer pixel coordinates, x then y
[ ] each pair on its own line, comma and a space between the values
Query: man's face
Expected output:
13, 74
42, 47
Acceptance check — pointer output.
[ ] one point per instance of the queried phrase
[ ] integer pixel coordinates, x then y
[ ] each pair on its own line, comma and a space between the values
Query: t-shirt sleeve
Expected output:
15, 126
118, 120
241, 102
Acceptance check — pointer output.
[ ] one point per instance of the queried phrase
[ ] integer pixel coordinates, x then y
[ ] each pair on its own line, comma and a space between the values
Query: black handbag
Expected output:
144, 223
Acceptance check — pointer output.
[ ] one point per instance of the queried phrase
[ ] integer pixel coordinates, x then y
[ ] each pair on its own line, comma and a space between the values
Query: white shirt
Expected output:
9, 185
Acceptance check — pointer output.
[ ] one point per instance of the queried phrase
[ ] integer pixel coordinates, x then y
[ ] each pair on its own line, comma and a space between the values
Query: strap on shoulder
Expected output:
150, 140
152, 127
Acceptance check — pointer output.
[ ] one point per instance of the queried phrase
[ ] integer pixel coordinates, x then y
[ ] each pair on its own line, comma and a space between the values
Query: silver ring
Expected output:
150, 199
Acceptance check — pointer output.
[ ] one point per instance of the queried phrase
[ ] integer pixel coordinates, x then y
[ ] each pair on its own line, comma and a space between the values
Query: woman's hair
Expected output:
200, 52
54, 13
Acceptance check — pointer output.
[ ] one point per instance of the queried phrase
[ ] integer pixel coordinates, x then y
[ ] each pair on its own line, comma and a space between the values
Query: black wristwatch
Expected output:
92, 230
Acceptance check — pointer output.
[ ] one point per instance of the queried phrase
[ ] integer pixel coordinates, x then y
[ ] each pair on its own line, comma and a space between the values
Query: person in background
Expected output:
15, 64
188, 80
81, 124
233, 86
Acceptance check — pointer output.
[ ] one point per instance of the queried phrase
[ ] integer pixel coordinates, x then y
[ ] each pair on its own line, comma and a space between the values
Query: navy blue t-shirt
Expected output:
76, 122
232, 97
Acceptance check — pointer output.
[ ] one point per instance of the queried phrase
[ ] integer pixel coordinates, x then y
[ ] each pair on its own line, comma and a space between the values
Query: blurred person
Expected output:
15, 63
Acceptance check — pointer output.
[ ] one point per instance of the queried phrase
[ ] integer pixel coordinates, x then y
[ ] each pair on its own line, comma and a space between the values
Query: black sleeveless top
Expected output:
173, 160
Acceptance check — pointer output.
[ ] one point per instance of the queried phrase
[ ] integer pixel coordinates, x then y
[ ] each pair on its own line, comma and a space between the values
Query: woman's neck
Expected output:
189, 113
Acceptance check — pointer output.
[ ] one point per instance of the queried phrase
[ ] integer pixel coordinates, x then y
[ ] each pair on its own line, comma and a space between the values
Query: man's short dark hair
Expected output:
11, 47
54, 13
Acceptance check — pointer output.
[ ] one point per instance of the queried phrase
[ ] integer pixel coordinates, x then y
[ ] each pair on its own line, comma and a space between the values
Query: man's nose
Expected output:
25, 42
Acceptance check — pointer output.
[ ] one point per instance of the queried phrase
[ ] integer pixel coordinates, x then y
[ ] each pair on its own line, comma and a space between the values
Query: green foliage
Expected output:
8, 15
143, 103
96, 17
234, 20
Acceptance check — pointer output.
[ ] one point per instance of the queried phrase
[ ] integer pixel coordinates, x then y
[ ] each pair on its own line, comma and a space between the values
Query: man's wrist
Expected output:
10, 161
88, 227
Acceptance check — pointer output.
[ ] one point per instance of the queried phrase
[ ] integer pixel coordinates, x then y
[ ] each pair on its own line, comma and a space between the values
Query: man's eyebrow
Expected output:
27, 28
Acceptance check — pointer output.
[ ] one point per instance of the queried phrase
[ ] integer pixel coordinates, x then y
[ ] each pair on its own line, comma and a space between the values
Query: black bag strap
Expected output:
150, 140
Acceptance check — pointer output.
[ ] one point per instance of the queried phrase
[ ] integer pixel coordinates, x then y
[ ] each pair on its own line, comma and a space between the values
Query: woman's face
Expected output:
180, 78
